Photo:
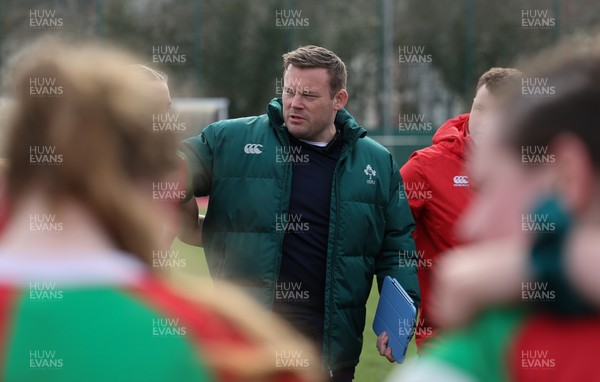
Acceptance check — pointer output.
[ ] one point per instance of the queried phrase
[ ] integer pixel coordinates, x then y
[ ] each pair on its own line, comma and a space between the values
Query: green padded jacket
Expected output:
370, 231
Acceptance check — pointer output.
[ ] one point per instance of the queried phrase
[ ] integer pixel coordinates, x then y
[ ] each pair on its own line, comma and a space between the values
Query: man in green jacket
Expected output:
304, 209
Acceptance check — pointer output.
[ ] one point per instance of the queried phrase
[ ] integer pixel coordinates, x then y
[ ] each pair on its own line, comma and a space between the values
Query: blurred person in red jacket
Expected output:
437, 183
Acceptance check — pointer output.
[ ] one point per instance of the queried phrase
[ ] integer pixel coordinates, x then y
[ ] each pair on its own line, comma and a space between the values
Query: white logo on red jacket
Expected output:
461, 181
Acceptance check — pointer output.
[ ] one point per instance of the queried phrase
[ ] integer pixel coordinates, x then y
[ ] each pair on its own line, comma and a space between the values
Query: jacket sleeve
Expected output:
198, 154
398, 256
412, 173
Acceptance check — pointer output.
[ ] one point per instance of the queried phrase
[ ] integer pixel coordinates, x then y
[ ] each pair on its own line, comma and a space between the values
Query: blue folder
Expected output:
396, 314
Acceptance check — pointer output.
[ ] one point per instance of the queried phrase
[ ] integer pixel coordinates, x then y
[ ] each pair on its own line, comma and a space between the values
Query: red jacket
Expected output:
438, 190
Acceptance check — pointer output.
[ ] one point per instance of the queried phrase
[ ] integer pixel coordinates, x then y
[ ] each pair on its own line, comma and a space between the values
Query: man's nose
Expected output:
297, 101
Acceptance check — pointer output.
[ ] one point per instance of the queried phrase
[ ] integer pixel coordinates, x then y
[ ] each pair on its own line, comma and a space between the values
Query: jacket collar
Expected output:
351, 130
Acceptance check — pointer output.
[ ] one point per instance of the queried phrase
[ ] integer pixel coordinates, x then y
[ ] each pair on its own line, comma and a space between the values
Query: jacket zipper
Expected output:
333, 254
281, 235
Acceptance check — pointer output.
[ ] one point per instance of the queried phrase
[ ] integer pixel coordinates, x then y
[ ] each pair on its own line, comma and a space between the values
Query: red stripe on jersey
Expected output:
553, 349
206, 328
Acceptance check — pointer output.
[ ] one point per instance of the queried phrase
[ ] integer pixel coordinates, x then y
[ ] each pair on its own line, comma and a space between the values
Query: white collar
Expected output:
115, 267
318, 144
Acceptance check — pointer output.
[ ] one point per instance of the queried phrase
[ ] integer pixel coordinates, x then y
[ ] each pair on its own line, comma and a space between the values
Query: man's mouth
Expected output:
296, 118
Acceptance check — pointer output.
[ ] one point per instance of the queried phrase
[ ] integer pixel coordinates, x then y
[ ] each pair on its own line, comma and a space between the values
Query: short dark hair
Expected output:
311, 56
499, 80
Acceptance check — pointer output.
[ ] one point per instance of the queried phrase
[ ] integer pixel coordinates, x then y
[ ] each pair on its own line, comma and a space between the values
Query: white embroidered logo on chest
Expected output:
370, 173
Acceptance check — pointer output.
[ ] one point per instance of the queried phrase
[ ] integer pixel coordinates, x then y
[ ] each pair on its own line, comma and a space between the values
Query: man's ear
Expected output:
340, 99
575, 172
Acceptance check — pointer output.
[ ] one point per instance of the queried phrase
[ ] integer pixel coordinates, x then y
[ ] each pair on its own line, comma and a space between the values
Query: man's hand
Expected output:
384, 350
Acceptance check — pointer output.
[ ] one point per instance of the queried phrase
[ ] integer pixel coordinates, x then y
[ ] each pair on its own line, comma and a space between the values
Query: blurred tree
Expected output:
498, 36
233, 48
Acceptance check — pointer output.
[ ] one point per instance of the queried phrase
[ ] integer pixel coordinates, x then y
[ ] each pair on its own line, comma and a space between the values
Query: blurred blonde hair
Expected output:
101, 124
152, 74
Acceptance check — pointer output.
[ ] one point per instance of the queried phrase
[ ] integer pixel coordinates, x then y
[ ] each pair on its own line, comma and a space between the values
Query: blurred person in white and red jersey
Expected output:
441, 170
524, 305
79, 290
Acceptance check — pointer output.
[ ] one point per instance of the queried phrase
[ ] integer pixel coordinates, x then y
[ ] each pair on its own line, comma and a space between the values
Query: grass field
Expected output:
372, 367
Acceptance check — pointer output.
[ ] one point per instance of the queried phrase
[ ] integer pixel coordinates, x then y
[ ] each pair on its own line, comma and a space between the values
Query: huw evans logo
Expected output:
412, 259
45, 360
167, 122
413, 55
253, 148
291, 291
415, 190
407, 327
278, 86
414, 124
291, 223
535, 291
290, 359
536, 156
167, 258
293, 86
44, 291
537, 223
537, 359
537, 19
290, 154
44, 223
168, 55
44, 19
167, 191
44, 87
44, 156
167, 327
290, 18
537, 87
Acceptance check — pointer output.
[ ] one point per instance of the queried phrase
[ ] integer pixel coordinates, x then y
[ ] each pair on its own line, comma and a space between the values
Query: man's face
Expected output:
483, 113
308, 108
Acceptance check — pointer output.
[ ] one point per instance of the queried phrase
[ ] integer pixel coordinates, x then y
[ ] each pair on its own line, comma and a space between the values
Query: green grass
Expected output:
372, 367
